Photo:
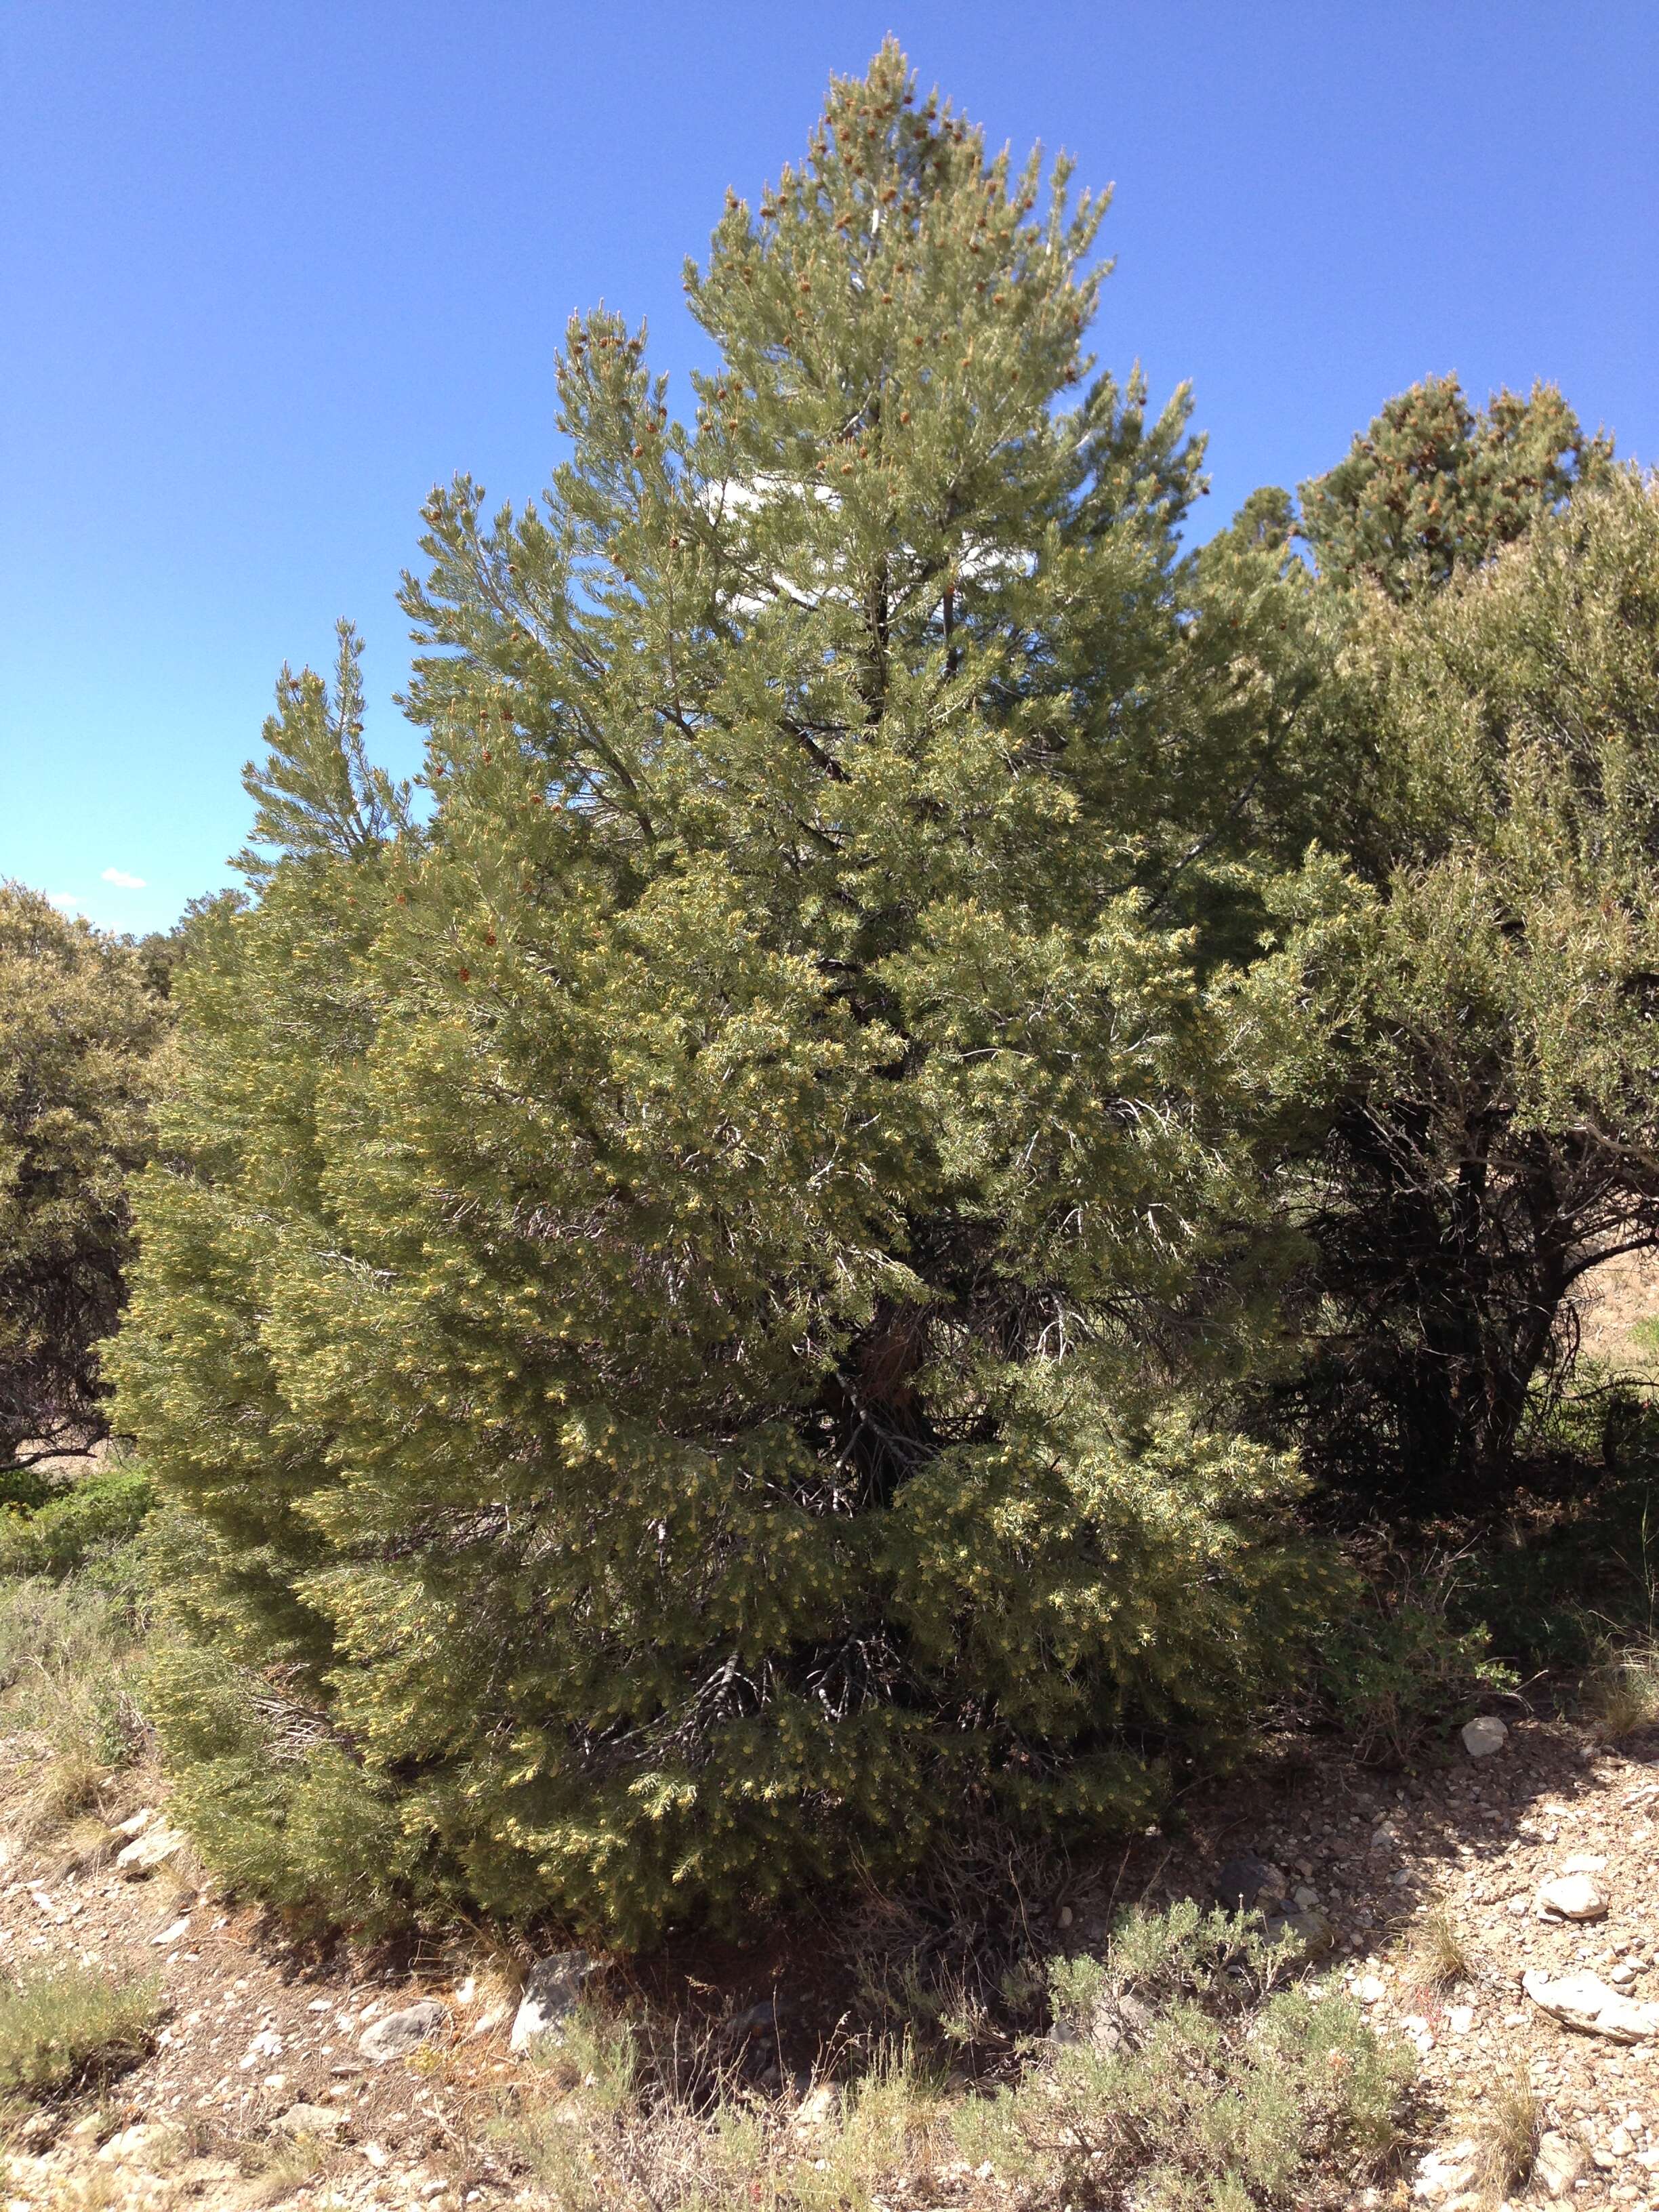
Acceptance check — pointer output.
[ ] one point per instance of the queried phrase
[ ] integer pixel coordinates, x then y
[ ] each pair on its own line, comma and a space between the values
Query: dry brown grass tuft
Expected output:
1507, 2129
1437, 1955
1622, 1694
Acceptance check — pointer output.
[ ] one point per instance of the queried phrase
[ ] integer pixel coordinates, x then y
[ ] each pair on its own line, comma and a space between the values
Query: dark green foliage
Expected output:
79, 1031
670, 1317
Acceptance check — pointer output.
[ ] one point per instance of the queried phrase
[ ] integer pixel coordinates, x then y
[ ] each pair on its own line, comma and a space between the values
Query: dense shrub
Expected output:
1200, 2076
670, 1317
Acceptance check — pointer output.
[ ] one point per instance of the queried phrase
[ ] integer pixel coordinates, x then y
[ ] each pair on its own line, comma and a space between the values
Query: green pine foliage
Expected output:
666, 1322
79, 1034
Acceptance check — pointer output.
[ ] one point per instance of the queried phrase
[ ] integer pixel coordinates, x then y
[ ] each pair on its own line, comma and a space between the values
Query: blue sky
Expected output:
268, 271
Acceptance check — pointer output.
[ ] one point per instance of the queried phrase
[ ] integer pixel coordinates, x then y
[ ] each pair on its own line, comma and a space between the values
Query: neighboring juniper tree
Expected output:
1483, 1129
651, 1332
1432, 487
79, 1032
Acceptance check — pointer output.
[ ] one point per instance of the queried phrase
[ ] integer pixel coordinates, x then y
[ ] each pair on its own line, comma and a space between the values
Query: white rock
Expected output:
134, 2145
1461, 2019
1369, 1990
1484, 1735
1584, 1863
135, 1826
397, 2033
318, 2121
1571, 1897
1443, 2173
1620, 2143
1559, 2164
171, 1934
148, 1850
552, 1989
1585, 2002
819, 2107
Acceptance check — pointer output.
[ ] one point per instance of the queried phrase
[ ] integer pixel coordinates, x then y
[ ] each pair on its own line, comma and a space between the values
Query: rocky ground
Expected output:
285, 2073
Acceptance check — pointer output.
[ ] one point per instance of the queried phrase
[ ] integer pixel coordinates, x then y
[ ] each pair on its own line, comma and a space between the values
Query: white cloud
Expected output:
66, 900
122, 880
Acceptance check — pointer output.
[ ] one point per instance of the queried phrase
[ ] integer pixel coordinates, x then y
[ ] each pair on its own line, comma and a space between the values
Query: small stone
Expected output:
1461, 2019
172, 1934
1484, 1735
397, 2034
1622, 1975
319, 2122
1558, 2163
1066, 1916
1369, 1990
1584, 1863
819, 2107
1306, 1896
1247, 1883
552, 1989
1572, 1897
1620, 2143
1304, 1928
134, 1824
148, 1850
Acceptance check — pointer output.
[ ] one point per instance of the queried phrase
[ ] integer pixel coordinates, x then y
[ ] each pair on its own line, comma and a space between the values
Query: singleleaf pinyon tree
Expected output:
644, 1331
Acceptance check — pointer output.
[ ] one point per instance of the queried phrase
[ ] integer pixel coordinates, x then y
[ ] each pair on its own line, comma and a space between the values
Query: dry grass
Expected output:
65, 1652
279, 2168
1507, 2129
1622, 1694
1437, 1955
605, 2135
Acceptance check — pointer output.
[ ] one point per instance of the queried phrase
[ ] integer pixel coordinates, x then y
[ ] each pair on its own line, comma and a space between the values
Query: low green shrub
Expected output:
1199, 2078
1402, 1666
62, 2027
56, 1537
